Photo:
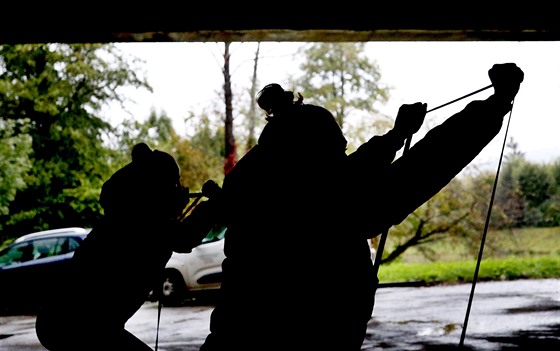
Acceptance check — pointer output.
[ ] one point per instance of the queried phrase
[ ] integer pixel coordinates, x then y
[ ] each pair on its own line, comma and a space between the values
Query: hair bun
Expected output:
273, 98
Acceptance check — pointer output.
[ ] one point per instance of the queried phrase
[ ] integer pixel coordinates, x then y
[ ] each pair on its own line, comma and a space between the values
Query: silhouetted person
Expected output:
298, 274
123, 258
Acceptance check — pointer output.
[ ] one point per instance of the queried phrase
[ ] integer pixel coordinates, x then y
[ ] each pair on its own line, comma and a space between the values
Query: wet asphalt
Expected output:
512, 315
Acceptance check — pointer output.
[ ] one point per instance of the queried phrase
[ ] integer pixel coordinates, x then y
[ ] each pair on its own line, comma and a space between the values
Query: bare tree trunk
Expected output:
230, 148
252, 116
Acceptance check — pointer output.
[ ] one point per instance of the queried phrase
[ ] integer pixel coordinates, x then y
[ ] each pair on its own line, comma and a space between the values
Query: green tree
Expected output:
59, 91
208, 145
528, 193
535, 184
551, 208
509, 205
14, 163
341, 78
453, 214
200, 157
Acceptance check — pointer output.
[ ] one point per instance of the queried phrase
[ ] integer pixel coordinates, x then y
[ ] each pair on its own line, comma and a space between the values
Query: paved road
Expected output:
517, 315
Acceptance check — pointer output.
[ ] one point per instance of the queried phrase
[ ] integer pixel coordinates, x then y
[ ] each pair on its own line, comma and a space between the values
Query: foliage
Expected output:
14, 162
339, 77
444, 214
207, 145
463, 271
529, 253
499, 244
200, 158
56, 92
529, 194
57, 148
509, 205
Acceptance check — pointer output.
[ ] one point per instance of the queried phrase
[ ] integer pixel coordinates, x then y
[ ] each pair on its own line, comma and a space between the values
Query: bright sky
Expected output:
187, 76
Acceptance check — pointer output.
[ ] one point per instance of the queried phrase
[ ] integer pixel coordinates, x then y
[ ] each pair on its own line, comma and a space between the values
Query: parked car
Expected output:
199, 272
32, 262
194, 274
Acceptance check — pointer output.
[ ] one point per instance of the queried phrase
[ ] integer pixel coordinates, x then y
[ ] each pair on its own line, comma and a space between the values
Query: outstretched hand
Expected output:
210, 188
410, 118
506, 78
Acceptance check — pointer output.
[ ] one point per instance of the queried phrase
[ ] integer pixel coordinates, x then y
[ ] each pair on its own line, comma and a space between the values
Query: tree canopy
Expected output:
344, 80
57, 146
53, 95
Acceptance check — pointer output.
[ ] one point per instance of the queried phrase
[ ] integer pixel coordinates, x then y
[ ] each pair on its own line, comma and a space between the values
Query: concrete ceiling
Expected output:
288, 21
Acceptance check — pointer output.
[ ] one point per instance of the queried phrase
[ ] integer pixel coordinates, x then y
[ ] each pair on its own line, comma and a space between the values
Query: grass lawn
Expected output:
531, 253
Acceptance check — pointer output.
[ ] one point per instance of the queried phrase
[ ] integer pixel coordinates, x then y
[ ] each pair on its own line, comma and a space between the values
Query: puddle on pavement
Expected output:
439, 331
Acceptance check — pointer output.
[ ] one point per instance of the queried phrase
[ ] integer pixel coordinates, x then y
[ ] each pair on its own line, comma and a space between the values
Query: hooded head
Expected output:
149, 185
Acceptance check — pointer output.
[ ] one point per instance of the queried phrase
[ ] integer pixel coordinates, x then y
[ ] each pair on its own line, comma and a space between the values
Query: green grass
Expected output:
463, 271
532, 253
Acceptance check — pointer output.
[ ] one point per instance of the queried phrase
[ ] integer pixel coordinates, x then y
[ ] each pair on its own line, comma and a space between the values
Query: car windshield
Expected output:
17, 253
37, 249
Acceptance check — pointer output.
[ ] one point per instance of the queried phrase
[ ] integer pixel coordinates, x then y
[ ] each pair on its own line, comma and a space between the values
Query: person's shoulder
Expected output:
314, 114
315, 109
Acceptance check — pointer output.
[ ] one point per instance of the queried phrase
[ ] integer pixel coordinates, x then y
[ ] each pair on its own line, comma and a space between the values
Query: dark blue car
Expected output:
32, 263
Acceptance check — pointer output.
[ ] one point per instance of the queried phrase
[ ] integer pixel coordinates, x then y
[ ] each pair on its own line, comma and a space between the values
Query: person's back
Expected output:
299, 212
283, 232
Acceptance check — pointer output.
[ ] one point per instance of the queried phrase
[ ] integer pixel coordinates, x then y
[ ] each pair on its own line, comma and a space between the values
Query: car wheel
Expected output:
173, 290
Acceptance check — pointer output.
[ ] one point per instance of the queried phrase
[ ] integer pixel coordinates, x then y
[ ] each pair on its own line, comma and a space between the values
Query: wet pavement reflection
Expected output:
513, 315
520, 315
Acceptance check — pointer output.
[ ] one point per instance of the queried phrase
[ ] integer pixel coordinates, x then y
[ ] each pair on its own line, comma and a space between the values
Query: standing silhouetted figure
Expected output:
298, 273
123, 258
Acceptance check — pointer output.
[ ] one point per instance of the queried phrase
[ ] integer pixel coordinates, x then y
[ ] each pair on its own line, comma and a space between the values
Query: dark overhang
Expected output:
274, 21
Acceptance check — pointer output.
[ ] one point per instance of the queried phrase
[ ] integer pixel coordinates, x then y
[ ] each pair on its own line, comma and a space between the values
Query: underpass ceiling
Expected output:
272, 21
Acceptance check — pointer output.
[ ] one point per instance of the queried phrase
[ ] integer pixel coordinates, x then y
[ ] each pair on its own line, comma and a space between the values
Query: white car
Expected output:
199, 271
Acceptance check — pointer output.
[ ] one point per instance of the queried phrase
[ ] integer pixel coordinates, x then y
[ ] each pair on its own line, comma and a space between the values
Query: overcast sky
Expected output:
187, 76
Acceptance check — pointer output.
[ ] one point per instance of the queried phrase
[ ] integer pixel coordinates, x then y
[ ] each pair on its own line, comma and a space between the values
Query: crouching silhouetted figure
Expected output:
123, 258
